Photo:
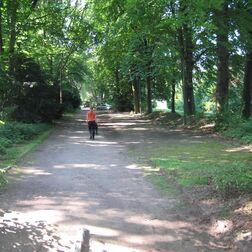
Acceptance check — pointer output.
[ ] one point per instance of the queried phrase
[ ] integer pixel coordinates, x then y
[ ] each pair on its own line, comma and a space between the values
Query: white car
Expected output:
103, 107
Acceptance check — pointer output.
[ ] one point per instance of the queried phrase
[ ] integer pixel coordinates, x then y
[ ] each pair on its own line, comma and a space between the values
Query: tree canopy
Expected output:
196, 55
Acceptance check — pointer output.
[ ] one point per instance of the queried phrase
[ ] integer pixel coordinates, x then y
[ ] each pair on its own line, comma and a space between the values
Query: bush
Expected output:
233, 179
11, 133
241, 130
3, 150
38, 104
5, 142
2, 179
71, 99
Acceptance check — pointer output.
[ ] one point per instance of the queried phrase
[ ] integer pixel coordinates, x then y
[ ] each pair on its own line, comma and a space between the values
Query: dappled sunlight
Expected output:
134, 142
101, 143
102, 231
98, 246
207, 126
148, 221
69, 166
74, 137
150, 240
31, 216
120, 124
35, 171
240, 148
139, 129
77, 183
133, 167
22, 232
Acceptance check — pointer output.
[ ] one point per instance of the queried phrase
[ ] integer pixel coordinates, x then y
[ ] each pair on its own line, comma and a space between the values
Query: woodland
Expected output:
196, 55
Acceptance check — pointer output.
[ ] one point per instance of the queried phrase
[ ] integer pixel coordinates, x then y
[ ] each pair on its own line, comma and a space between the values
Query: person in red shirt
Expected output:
91, 119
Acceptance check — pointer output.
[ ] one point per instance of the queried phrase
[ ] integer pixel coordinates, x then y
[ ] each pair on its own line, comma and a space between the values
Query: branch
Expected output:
199, 56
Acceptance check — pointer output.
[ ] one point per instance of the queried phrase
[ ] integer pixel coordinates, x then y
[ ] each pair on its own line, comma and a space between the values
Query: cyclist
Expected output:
91, 119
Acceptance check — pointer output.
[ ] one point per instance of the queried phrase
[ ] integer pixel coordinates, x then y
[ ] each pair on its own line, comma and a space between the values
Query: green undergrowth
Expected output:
161, 183
19, 143
241, 131
227, 169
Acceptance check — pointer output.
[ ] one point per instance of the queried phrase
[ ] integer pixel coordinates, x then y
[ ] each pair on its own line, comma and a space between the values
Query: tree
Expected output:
186, 50
1, 29
246, 112
221, 19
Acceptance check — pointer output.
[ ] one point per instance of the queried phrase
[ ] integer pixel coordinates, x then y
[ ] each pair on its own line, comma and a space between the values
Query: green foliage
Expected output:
241, 130
3, 150
3, 181
71, 99
27, 70
16, 139
233, 179
47, 51
4, 141
105, 45
11, 133
38, 103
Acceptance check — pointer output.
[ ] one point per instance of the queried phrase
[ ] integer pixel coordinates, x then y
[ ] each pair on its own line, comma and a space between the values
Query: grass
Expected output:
16, 152
227, 169
19, 150
161, 183
21, 139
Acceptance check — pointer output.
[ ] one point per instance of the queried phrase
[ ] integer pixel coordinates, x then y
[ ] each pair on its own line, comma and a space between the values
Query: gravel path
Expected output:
70, 182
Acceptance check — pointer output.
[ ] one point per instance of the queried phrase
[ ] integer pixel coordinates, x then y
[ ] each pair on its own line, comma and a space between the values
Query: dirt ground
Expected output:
71, 182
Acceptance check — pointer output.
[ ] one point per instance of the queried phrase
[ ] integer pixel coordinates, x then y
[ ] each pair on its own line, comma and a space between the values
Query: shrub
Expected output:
241, 130
5, 142
233, 179
3, 150
2, 179
11, 133
71, 99
38, 104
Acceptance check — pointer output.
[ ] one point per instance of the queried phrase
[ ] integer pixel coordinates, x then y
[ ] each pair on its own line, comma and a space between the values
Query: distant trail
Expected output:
71, 182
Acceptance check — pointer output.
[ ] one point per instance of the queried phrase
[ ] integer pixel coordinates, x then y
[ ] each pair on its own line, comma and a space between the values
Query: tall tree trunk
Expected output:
1, 30
223, 58
136, 94
173, 91
247, 88
189, 93
149, 89
186, 49
13, 5
148, 47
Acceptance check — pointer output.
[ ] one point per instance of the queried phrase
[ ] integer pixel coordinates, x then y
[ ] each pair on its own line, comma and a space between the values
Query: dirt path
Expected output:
71, 182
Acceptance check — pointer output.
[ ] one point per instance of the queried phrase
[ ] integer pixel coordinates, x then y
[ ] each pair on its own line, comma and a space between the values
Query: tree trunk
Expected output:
186, 48
1, 30
136, 94
247, 88
173, 91
13, 5
189, 94
148, 50
149, 89
223, 58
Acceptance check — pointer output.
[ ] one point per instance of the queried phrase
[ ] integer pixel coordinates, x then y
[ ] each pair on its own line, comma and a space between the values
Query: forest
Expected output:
57, 56
195, 55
